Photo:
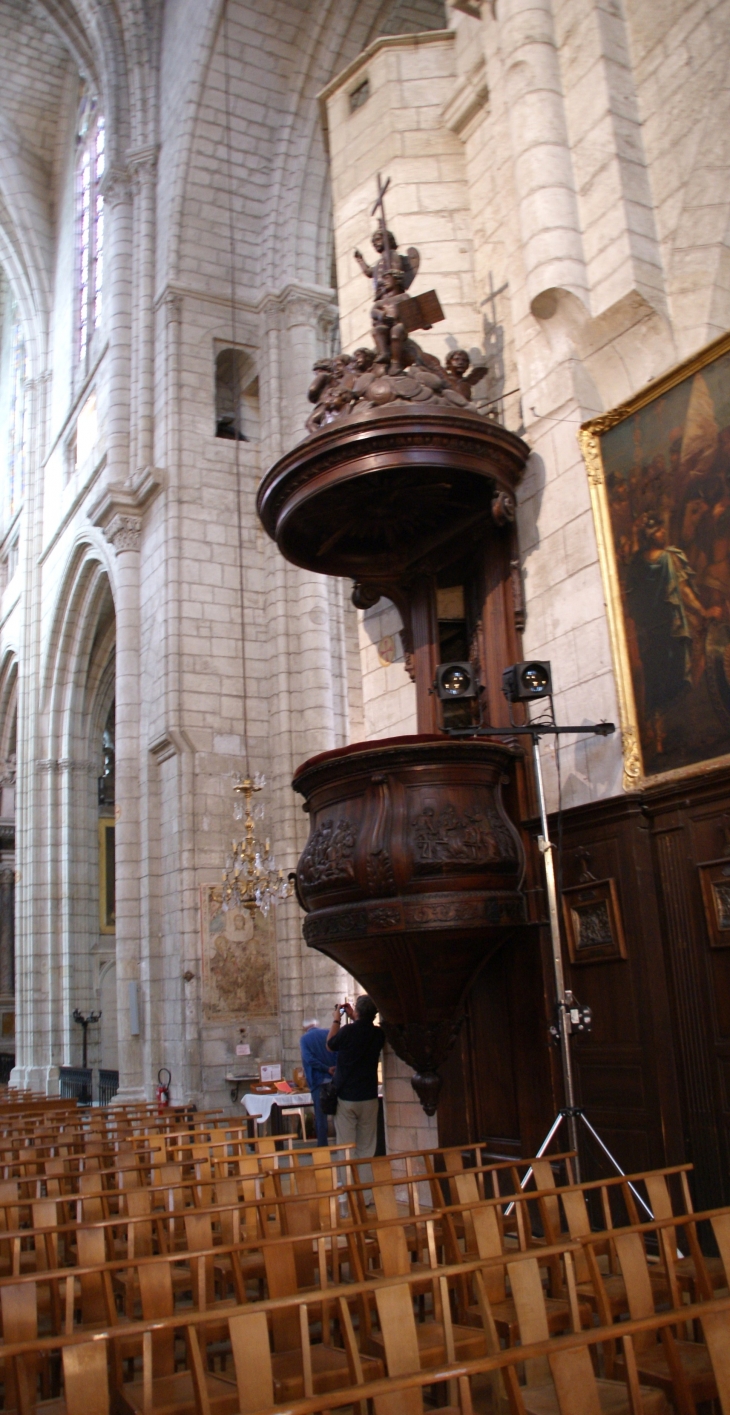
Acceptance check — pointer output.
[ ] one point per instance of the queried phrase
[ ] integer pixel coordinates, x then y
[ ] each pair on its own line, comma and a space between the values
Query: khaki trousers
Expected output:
356, 1123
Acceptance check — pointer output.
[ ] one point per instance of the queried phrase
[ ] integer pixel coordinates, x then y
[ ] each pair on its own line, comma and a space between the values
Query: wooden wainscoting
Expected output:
654, 1075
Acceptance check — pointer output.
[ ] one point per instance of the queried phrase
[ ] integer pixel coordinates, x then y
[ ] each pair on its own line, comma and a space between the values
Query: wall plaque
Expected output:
593, 922
715, 881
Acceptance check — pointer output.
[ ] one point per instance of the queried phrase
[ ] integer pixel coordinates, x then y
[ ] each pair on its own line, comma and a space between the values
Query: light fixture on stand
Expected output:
250, 879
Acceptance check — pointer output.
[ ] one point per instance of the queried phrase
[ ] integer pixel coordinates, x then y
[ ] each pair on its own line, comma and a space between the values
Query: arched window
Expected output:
90, 142
236, 395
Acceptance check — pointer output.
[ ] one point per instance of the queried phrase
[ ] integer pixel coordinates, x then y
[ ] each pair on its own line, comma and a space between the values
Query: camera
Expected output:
343, 1009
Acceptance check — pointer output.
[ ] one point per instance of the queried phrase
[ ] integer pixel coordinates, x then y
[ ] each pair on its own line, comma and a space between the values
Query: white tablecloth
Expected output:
259, 1107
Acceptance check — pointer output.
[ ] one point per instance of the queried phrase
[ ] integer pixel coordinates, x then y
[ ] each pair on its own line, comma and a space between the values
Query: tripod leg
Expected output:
553, 1128
615, 1163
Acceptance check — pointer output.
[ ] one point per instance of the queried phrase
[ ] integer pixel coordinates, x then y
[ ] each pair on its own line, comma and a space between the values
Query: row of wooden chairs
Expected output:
380, 1229
175, 1374
186, 1225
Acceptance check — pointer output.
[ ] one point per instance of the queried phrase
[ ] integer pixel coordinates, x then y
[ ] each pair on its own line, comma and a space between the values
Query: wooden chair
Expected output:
435, 1335
162, 1388
85, 1382
682, 1369
692, 1276
613, 1287
565, 1383
482, 1229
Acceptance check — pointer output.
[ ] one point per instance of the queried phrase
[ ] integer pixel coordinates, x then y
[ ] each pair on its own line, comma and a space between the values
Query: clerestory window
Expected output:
90, 225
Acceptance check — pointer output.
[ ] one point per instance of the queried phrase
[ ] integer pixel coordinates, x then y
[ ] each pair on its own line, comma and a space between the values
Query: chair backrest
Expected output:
18, 1303
578, 1220
394, 1254
400, 1342
487, 1241
45, 1215
139, 1235
94, 1295
660, 1200
86, 1378
281, 1280
157, 1298
631, 1255
252, 1360
721, 1230
549, 1204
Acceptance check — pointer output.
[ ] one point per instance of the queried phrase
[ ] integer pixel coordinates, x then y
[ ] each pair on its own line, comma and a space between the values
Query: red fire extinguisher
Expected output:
163, 1088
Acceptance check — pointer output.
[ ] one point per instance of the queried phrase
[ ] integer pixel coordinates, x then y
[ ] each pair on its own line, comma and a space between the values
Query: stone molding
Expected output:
115, 186
471, 7
142, 162
164, 747
117, 510
123, 532
470, 96
66, 764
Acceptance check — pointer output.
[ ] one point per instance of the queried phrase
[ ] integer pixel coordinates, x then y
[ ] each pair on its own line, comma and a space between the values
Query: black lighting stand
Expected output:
570, 1017
86, 1022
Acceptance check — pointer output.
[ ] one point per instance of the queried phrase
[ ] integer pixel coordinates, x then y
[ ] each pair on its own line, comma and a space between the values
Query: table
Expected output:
259, 1108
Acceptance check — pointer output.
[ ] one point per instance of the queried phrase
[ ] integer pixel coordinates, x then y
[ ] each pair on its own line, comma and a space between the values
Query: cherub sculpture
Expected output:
455, 372
334, 401
327, 373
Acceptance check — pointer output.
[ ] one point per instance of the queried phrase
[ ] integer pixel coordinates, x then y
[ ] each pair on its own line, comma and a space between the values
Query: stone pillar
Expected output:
306, 715
552, 246
123, 533
143, 167
34, 1013
118, 280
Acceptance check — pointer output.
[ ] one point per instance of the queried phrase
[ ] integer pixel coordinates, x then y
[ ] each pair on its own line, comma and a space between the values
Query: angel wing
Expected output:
414, 260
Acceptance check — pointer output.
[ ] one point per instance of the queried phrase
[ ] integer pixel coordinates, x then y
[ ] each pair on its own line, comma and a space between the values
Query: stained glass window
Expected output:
90, 216
15, 484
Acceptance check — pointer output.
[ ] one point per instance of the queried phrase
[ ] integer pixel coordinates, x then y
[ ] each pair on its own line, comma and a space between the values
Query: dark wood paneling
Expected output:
498, 1084
654, 1075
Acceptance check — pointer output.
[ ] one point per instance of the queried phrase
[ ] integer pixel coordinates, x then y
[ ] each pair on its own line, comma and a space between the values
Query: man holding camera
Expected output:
358, 1049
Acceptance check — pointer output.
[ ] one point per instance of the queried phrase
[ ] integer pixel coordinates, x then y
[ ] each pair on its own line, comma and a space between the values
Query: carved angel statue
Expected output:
455, 369
407, 265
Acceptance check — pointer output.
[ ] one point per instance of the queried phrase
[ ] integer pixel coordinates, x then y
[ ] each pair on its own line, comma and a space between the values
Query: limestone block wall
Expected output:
131, 560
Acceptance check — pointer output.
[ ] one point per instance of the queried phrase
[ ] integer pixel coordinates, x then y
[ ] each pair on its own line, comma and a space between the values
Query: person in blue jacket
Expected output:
318, 1068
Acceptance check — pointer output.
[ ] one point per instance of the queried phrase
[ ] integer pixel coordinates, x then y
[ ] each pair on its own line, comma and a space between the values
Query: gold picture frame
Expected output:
107, 880
715, 882
592, 918
642, 490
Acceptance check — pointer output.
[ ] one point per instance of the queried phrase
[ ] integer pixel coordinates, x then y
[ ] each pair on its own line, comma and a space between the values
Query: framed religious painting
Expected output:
239, 960
659, 473
592, 919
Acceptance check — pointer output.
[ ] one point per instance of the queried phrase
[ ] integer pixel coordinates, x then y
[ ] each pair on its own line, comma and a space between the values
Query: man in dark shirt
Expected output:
358, 1049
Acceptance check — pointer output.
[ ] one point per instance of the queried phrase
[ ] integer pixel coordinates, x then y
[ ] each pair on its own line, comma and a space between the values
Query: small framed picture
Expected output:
593, 922
715, 881
270, 1071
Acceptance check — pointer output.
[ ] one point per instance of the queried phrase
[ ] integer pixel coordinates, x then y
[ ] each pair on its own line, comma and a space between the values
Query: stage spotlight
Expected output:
455, 680
524, 682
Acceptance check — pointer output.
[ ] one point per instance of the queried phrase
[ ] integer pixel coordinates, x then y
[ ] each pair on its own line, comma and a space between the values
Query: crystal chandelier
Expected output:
250, 879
